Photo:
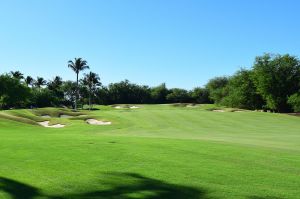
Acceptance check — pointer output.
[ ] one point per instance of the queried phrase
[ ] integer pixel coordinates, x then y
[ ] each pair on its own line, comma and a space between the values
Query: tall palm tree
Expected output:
77, 65
91, 80
29, 81
17, 74
40, 82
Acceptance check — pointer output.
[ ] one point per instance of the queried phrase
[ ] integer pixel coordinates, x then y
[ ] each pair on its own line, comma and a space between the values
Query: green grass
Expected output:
157, 151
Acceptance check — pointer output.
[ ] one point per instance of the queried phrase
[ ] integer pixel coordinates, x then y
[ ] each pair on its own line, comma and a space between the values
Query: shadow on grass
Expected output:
120, 186
18, 190
266, 197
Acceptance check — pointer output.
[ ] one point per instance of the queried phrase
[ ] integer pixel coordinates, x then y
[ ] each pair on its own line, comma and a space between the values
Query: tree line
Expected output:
19, 91
272, 83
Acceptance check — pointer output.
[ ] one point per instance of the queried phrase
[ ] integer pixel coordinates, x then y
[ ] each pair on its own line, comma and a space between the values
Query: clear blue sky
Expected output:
183, 43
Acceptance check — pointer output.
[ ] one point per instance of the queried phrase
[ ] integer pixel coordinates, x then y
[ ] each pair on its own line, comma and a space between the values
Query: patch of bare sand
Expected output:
66, 116
46, 124
219, 110
190, 106
46, 116
97, 122
134, 107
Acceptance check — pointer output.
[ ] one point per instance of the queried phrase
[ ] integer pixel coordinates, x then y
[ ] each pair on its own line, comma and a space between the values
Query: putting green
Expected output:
154, 151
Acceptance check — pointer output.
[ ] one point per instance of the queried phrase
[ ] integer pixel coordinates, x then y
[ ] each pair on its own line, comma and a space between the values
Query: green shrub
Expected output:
294, 102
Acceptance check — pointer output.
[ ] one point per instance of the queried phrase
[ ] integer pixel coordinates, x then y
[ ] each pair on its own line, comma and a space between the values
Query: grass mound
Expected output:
54, 112
36, 116
17, 118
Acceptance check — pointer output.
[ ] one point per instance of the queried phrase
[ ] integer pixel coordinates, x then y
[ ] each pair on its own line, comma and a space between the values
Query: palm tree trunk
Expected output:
77, 92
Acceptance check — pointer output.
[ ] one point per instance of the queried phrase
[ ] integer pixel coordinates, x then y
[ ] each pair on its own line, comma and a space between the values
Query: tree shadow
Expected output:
264, 197
119, 186
132, 185
18, 190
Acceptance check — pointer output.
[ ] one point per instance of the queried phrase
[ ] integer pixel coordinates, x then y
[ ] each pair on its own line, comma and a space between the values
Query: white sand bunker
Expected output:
218, 110
134, 107
131, 107
65, 116
46, 116
46, 124
97, 122
191, 106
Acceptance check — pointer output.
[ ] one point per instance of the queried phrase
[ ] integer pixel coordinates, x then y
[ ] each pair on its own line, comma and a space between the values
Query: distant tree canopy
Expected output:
159, 94
241, 91
273, 83
13, 93
276, 78
126, 92
200, 95
294, 102
217, 88
177, 95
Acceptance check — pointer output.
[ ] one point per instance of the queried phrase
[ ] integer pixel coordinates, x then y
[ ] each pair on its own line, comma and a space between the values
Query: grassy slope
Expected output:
158, 151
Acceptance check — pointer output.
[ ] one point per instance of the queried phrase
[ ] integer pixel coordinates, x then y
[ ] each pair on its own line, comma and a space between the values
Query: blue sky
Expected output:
182, 43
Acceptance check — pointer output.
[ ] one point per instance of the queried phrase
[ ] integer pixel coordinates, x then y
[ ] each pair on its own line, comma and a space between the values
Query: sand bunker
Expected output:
218, 110
46, 116
65, 116
97, 122
46, 124
131, 107
134, 107
191, 106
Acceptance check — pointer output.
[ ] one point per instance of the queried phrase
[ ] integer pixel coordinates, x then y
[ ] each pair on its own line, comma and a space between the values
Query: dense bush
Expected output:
159, 94
13, 93
241, 92
200, 95
102, 96
43, 98
217, 88
177, 95
125, 92
69, 92
268, 85
294, 102
276, 78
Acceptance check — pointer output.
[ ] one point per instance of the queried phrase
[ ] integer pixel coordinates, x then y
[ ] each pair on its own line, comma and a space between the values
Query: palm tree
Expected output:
29, 81
17, 74
55, 83
91, 80
78, 65
40, 82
